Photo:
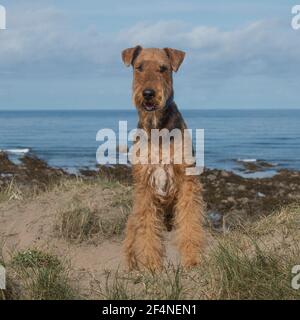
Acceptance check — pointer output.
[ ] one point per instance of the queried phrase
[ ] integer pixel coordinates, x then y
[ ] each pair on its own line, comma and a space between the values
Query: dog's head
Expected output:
152, 77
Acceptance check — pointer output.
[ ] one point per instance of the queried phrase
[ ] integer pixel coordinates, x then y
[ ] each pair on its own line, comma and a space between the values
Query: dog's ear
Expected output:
130, 54
176, 57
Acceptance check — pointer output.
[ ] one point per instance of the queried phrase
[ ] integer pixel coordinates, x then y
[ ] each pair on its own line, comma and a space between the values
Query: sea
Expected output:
67, 138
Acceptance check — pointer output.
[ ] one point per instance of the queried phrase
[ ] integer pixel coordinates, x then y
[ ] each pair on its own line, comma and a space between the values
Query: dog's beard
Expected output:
149, 105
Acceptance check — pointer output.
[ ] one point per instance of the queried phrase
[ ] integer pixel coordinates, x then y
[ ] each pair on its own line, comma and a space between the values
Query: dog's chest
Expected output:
162, 180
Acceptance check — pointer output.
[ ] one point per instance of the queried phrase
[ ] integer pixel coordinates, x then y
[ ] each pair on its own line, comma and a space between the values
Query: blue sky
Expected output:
61, 54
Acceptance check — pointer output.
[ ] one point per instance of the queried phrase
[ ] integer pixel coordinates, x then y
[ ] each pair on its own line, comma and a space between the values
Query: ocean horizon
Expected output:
67, 138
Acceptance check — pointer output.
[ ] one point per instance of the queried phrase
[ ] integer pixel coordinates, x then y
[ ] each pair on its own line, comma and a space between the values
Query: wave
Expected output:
19, 151
247, 160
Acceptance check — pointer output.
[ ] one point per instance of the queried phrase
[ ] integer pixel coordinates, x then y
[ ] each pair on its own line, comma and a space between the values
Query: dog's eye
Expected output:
139, 68
162, 69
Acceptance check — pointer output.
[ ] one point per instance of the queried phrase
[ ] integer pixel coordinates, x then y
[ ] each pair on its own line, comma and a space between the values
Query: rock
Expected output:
32, 171
231, 187
244, 200
211, 177
7, 166
230, 199
215, 217
261, 195
252, 165
225, 174
224, 193
241, 188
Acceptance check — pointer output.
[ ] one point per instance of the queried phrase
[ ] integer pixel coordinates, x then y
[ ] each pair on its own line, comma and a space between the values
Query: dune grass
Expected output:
167, 285
11, 192
263, 274
41, 276
80, 221
77, 224
253, 262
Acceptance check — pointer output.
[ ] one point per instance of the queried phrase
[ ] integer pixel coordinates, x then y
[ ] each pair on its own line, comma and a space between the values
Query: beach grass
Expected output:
11, 192
251, 263
41, 276
254, 260
81, 221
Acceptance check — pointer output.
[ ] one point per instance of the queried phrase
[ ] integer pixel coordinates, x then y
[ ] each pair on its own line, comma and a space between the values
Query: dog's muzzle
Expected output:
149, 106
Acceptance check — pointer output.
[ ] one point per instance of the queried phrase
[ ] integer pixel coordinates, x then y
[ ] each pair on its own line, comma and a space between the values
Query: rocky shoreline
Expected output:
228, 196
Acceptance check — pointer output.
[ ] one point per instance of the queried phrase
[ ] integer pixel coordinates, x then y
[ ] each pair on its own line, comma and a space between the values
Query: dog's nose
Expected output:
148, 94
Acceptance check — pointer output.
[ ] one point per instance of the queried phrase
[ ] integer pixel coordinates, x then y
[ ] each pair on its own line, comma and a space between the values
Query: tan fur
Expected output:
161, 190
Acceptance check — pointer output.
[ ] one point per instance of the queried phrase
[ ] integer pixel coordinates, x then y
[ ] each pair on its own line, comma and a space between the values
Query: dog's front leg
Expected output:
143, 243
188, 221
129, 242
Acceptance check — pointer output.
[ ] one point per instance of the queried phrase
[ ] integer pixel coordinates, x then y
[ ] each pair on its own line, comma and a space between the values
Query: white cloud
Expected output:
263, 47
40, 41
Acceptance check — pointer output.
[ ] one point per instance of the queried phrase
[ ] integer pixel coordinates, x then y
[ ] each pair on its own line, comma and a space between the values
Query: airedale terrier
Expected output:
161, 190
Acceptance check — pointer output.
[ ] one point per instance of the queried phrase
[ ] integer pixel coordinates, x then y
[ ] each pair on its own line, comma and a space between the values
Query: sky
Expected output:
63, 54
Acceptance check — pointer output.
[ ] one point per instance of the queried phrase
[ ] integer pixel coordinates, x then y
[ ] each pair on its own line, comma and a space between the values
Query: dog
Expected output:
163, 193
